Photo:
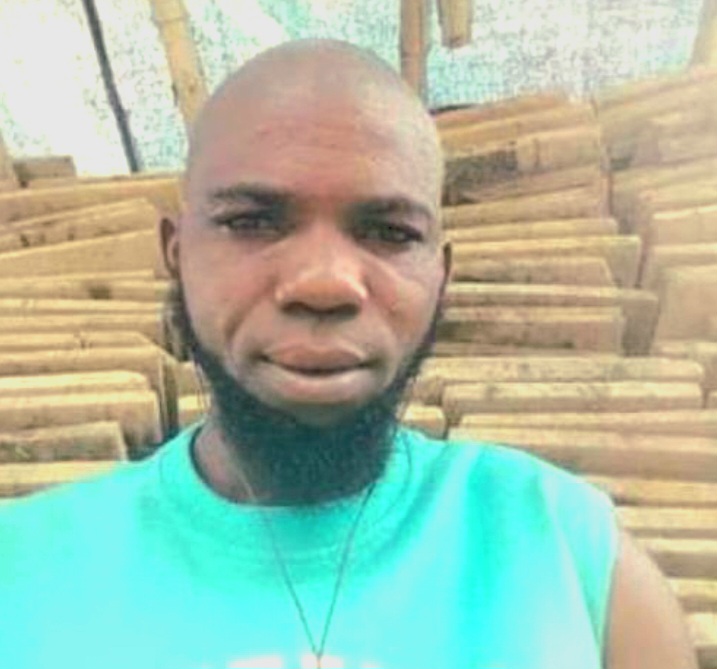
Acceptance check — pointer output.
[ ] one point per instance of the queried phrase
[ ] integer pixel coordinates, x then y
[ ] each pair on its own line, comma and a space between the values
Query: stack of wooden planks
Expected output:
580, 323
85, 377
627, 407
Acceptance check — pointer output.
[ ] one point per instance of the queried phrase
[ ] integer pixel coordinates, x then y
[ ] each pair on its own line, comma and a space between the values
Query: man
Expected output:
298, 526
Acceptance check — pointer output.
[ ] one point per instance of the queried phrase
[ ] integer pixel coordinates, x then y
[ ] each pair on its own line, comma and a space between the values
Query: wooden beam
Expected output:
188, 84
456, 19
705, 49
415, 44
7, 173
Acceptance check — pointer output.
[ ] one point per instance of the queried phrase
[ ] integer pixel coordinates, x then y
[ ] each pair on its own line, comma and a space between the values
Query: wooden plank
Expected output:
44, 184
187, 379
430, 420
671, 126
628, 184
191, 408
660, 258
656, 492
102, 440
446, 350
689, 423
645, 88
69, 229
670, 522
713, 328
569, 227
622, 253
573, 271
456, 20
78, 382
622, 123
618, 396
150, 325
96, 289
25, 478
137, 412
43, 167
684, 558
31, 341
573, 368
19, 306
640, 308
582, 202
607, 453
62, 216
702, 352
683, 226
579, 328
461, 190
501, 109
688, 296
695, 594
512, 128
702, 628
146, 361
163, 193
128, 275
648, 203
667, 150
127, 251
480, 162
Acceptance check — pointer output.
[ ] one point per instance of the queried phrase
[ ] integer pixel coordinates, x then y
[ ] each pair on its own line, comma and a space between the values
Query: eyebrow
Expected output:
272, 197
241, 192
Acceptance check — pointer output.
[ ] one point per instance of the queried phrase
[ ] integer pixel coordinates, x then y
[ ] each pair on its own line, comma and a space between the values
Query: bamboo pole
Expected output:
705, 49
414, 44
456, 19
188, 84
7, 173
113, 96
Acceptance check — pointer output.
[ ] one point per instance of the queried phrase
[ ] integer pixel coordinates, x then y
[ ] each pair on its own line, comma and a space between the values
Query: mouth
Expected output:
316, 362
317, 376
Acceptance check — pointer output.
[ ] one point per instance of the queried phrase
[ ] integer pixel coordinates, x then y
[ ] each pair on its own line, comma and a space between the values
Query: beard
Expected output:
300, 464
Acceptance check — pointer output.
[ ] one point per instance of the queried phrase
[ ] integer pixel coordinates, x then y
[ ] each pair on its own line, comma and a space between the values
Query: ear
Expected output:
169, 239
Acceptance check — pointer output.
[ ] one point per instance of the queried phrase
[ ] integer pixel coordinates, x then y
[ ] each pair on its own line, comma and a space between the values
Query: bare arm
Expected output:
646, 626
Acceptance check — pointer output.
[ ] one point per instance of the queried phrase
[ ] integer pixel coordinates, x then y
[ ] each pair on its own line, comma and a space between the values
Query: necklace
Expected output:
317, 649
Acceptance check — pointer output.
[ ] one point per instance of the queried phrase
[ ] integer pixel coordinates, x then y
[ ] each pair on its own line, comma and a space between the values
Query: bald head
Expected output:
316, 78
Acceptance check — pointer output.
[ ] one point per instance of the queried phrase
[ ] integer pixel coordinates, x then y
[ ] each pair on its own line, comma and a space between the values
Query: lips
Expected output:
315, 360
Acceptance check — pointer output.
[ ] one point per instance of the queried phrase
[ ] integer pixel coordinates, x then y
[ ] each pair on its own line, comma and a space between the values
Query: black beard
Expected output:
296, 463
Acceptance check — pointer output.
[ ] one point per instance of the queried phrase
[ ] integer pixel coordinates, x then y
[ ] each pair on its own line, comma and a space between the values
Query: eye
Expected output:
387, 232
257, 224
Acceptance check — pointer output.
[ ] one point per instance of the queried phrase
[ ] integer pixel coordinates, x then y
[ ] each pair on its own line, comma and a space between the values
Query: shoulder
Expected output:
91, 499
504, 470
57, 509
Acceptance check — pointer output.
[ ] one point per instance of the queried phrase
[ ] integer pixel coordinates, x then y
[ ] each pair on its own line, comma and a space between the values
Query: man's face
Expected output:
310, 256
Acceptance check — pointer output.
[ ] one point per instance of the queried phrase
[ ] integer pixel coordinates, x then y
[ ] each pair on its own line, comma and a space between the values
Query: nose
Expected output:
322, 277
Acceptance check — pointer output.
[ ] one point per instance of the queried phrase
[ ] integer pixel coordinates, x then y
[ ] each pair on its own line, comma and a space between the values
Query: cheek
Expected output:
408, 295
220, 290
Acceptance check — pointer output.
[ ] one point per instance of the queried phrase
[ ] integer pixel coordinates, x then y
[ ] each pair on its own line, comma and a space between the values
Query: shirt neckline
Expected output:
304, 534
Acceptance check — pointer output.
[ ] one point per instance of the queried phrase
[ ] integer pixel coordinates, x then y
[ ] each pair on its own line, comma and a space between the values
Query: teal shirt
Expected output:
468, 556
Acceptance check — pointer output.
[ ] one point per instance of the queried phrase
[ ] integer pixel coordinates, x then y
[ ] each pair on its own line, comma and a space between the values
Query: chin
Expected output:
320, 415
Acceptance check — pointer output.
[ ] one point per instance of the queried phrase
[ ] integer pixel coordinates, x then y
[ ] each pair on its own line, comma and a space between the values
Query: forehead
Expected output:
332, 148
